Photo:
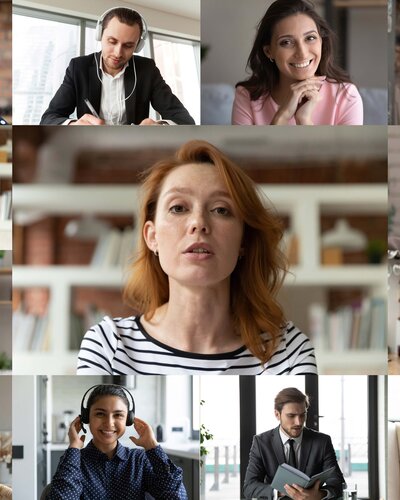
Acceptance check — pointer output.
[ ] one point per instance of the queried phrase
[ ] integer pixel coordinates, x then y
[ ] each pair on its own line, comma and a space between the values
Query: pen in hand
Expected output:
91, 108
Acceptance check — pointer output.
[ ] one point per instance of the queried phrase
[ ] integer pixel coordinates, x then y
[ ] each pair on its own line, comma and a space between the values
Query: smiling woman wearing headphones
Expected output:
105, 469
114, 86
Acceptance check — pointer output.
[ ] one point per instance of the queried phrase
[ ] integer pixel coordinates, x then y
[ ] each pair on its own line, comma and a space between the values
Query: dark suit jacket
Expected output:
82, 81
266, 454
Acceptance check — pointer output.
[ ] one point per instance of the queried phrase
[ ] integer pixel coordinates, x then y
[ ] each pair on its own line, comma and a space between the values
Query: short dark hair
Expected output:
290, 395
126, 16
106, 390
265, 73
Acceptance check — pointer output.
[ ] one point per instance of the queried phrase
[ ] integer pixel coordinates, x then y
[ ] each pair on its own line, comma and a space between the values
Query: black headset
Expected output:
85, 411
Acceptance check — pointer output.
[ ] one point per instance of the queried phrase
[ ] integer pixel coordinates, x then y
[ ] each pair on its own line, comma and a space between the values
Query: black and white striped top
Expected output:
121, 346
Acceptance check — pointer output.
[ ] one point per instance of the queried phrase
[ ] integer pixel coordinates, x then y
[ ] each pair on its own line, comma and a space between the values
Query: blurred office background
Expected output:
393, 57
394, 249
5, 431
57, 33
5, 248
393, 438
76, 197
351, 409
5, 60
228, 29
43, 408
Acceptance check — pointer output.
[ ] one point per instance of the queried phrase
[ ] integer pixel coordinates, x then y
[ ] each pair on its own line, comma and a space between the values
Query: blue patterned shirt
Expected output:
89, 474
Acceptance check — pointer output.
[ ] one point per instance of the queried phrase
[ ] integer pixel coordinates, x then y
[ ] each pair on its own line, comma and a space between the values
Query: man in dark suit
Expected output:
307, 450
119, 86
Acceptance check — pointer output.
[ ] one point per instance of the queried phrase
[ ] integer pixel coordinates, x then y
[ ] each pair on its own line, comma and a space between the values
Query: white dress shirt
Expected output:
112, 103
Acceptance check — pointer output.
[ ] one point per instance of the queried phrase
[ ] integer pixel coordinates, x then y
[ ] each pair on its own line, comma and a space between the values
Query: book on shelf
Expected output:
30, 332
361, 325
114, 248
5, 205
286, 474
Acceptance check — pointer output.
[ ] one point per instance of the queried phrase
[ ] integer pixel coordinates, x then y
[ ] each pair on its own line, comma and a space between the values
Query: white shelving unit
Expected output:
5, 225
303, 204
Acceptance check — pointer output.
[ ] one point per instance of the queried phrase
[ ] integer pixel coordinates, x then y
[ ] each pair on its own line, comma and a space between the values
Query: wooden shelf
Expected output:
350, 4
352, 362
55, 363
6, 170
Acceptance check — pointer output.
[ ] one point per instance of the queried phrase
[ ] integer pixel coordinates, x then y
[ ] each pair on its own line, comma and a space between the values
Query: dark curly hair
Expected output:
265, 74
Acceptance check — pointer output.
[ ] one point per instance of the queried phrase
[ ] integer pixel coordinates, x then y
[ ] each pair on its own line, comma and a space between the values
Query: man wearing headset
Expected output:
114, 87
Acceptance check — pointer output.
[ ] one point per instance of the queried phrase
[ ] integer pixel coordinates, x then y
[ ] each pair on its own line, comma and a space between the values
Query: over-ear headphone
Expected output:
143, 36
85, 411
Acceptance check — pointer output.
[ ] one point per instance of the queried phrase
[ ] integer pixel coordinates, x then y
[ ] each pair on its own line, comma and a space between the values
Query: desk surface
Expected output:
394, 365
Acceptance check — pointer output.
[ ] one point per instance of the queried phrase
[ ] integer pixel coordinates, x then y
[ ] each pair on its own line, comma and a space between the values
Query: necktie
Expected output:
292, 455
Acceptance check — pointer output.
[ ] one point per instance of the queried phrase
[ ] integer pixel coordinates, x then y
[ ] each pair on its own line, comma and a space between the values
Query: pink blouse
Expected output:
341, 104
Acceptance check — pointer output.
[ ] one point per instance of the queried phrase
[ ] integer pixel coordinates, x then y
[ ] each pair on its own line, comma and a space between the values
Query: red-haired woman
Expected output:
205, 280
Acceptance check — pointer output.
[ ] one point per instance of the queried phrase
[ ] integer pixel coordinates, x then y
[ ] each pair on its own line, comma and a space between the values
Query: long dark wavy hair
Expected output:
265, 74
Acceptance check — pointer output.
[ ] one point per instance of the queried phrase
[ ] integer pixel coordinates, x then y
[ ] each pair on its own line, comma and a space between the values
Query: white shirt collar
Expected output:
108, 74
285, 438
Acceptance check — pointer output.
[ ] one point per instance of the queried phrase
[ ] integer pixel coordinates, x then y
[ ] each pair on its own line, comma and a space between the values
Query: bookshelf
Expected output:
303, 204
5, 225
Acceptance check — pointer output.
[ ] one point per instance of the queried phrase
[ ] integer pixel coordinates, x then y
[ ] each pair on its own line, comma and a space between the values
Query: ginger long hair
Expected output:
264, 73
257, 277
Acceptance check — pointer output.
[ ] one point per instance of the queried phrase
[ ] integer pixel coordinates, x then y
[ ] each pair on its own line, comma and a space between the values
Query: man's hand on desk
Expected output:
88, 119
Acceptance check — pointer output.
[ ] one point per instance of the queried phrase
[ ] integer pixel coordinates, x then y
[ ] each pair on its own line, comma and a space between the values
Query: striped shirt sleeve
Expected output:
98, 349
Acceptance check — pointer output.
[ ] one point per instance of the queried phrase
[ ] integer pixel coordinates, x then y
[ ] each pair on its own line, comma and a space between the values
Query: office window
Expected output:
220, 415
43, 45
343, 407
178, 61
393, 398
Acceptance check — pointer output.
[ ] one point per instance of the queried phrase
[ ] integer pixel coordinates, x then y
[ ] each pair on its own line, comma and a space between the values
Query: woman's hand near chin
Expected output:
305, 89
303, 115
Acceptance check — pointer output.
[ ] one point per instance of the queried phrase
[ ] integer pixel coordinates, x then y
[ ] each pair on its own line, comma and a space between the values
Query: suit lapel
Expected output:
95, 83
306, 444
129, 83
278, 446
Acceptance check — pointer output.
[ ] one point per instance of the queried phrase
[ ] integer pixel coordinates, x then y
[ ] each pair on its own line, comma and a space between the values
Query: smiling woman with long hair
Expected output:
205, 279
294, 79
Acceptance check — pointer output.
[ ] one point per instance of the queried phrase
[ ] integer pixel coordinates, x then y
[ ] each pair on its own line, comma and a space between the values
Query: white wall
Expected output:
5, 394
158, 20
367, 49
24, 434
228, 27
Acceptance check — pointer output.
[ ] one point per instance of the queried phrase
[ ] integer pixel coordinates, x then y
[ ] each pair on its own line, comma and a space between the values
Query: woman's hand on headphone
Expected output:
146, 437
294, 102
76, 441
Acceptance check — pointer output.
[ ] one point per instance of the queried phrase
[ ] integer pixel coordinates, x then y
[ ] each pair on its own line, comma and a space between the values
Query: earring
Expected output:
270, 58
156, 253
